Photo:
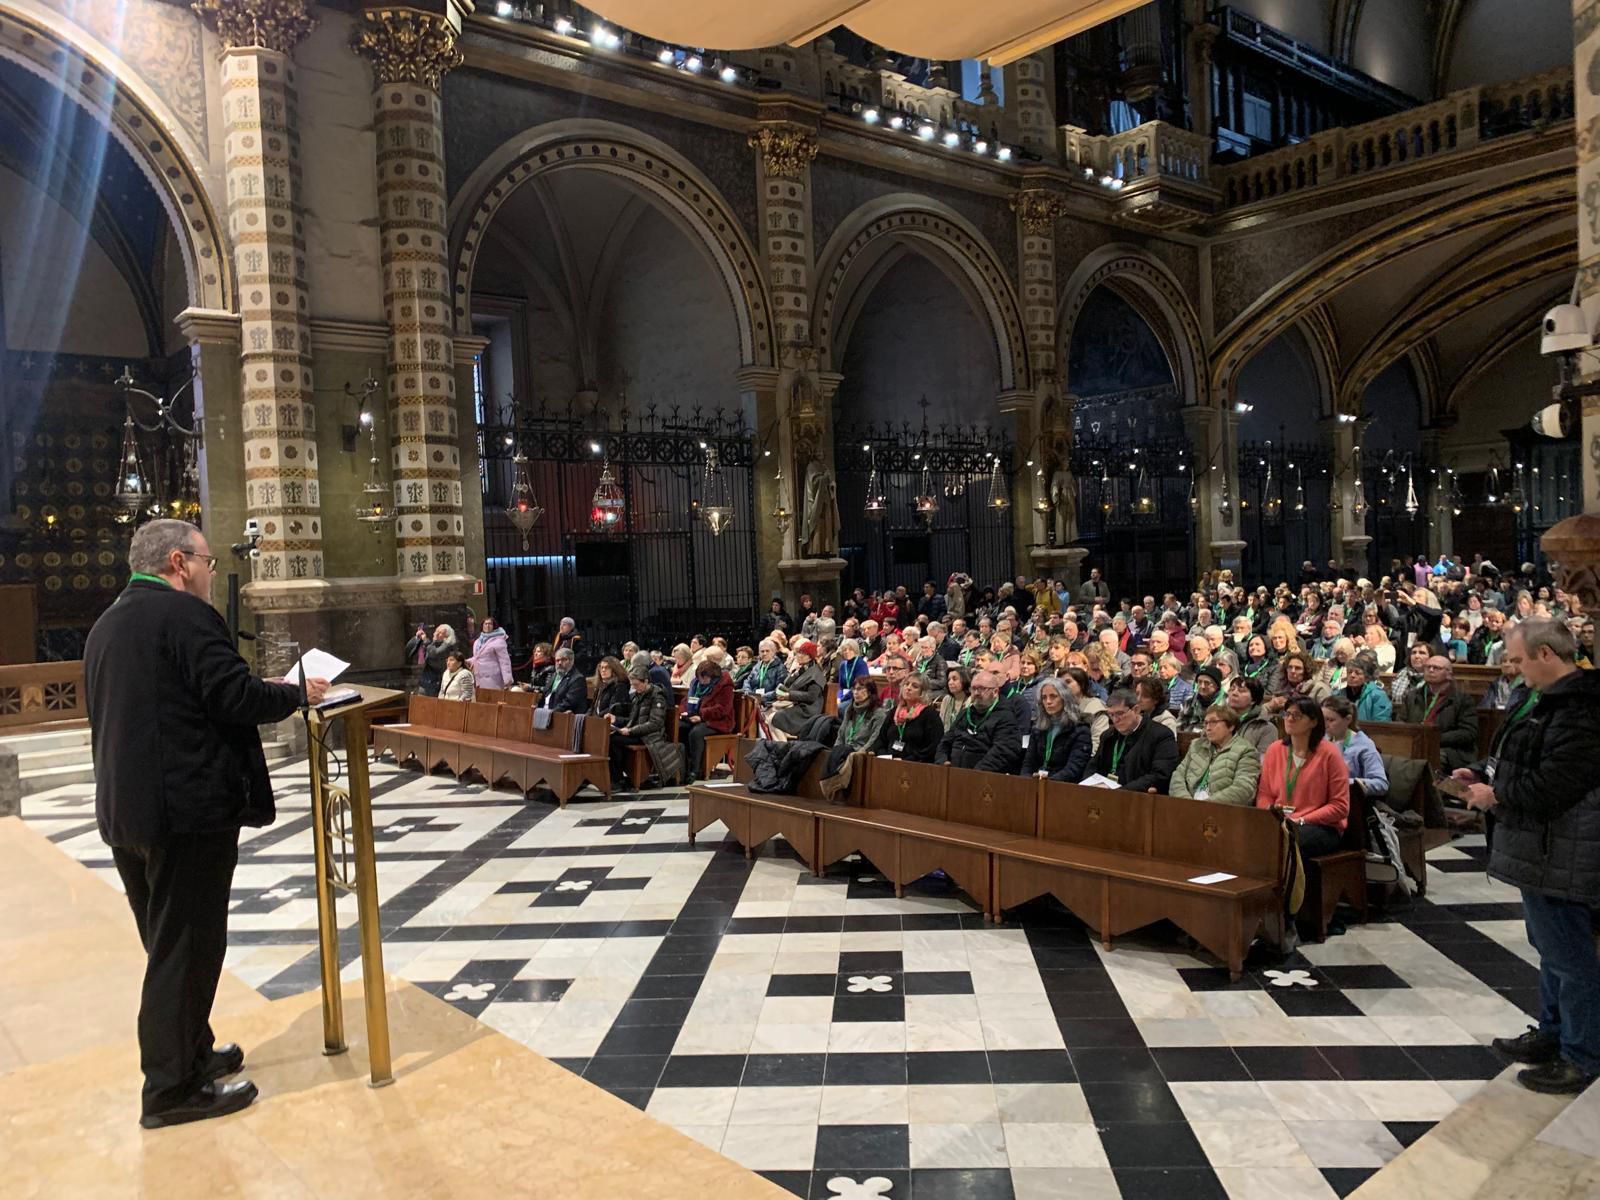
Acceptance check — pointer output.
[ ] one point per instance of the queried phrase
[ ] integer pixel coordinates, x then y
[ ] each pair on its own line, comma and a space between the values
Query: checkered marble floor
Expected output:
845, 1043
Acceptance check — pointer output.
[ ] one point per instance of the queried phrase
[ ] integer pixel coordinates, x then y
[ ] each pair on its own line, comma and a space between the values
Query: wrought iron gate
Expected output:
1284, 493
956, 466
1135, 513
658, 574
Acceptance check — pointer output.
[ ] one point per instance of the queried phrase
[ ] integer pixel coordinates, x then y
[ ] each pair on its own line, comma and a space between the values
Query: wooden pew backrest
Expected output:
557, 736
908, 787
515, 723
1008, 803
447, 715
1224, 837
597, 736
483, 720
1096, 817
1404, 739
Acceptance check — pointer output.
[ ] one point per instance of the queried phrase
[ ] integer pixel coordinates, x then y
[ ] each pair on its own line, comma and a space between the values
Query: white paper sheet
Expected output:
319, 665
572, 756
1099, 781
1214, 877
719, 784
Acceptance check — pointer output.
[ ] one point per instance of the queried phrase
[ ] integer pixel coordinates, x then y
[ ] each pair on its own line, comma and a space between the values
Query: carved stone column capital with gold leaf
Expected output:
279, 25
409, 45
787, 151
1038, 210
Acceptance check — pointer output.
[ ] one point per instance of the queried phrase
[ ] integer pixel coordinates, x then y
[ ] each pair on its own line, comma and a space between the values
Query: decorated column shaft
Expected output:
1586, 99
1350, 538
1214, 438
262, 166
411, 50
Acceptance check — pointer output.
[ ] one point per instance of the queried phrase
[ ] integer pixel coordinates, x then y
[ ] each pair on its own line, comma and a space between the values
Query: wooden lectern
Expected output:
341, 818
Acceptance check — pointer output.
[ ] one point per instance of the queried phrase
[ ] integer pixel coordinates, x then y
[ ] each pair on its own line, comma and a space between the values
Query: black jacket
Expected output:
433, 661
570, 695
1148, 761
1069, 754
776, 767
990, 743
922, 736
173, 712
1547, 819
615, 698
1456, 719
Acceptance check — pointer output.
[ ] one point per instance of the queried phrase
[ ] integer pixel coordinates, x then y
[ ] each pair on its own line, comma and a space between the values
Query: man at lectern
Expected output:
178, 770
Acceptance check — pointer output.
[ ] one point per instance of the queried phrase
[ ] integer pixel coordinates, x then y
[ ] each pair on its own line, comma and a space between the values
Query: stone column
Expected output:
261, 147
1586, 98
1200, 42
798, 396
1046, 434
411, 49
213, 339
1214, 437
1030, 107
1350, 538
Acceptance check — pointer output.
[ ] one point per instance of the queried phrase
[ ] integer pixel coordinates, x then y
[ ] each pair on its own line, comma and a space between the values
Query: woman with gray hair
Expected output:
1058, 742
433, 654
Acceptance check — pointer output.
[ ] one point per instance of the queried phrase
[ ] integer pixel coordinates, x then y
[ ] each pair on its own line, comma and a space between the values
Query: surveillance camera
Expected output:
252, 528
1556, 420
1565, 330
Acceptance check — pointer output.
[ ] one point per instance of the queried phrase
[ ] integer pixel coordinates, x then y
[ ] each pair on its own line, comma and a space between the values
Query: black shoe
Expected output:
224, 1060
212, 1100
1534, 1046
1558, 1078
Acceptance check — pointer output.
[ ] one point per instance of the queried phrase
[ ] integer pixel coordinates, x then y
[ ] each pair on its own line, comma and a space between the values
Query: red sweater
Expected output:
716, 706
1321, 790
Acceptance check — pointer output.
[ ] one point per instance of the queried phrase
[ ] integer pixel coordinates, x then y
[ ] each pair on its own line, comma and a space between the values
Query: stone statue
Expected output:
819, 529
1064, 505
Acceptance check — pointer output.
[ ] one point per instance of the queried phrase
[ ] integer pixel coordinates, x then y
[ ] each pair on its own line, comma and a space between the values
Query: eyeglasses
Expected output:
210, 559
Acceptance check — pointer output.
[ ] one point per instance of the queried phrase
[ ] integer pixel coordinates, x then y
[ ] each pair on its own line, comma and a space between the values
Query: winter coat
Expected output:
491, 661
763, 680
803, 690
1547, 815
1230, 775
1456, 719
861, 731
614, 698
1147, 761
647, 721
989, 742
173, 712
776, 767
1064, 759
458, 685
433, 662
1256, 728
715, 708
921, 735
1092, 712
1373, 703
566, 693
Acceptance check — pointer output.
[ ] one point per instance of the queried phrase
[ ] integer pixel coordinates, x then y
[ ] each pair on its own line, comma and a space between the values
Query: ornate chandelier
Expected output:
522, 510
607, 507
134, 494
716, 510
998, 500
926, 503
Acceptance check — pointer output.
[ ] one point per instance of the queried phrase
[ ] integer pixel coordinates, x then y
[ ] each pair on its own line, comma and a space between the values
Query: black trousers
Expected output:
693, 736
621, 743
178, 891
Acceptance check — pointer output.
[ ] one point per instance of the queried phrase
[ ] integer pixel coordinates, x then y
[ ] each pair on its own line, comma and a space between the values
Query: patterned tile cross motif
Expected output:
574, 885
1285, 979
869, 983
986, 798
875, 1187
905, 783
469, 991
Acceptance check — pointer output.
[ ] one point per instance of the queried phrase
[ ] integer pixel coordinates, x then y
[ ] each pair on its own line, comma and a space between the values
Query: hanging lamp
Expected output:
607, 506
522, 510
877, 505
134, 494
715, 509
780, 515
926, 503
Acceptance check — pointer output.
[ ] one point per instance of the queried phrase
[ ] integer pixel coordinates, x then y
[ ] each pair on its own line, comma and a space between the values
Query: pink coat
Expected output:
491, 661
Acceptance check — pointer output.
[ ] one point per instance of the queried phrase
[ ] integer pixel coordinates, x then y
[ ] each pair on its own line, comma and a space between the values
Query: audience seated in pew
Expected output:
1361, 757
1137, 753
1305, 776
646, 726
1255, 726
1221, 766
1439, 703
987, 736
566, 690
707, 709
1058, 739
912, 730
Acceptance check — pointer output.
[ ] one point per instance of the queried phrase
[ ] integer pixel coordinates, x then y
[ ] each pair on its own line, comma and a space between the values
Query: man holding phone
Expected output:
1539, 783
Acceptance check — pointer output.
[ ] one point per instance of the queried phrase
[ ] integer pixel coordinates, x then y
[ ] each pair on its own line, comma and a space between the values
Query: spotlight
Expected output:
563, 26
693, 64
666, 56
766, 454
728, 74
1347, 418
1242, 407
1088, 172
503, 9
1116, 185
594, 447
952, 139
509, 440
1106, 181
366, 420
1004, 154
897, 122
980, 147
926, 132
870, 115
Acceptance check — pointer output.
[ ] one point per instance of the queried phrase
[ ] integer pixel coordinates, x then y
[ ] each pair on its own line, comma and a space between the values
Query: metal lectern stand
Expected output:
341, 819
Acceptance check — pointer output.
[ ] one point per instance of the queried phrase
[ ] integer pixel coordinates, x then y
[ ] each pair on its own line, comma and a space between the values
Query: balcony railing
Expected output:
1152, 151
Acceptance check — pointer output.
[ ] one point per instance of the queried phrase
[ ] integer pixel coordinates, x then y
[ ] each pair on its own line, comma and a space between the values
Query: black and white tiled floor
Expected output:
848, 1044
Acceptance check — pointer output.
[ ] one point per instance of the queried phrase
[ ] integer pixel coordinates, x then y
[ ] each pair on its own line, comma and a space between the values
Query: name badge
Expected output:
1112, 775
1203, 794
1025, 738
692, 703
898, 747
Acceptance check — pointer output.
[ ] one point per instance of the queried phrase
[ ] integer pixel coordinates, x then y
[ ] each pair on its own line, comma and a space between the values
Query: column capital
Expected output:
467, 347
208, 327
1038, 209
758, 379
410, 45
786, 150
278, 25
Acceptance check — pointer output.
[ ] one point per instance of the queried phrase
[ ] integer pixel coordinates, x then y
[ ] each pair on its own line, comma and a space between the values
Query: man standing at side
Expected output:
1539, 785
178, 770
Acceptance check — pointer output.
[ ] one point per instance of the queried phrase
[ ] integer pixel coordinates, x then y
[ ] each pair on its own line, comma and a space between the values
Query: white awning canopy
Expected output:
1000, 32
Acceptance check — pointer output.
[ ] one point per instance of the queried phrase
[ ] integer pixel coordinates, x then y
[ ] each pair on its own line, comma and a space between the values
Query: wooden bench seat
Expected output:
498, 742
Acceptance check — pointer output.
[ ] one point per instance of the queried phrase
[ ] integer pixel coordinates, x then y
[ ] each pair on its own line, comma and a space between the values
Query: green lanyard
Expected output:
1201, 786
966, 714
149, 579
1116, 756
1432, 708
1527, 707
966, 658
1291, 776
855, 728
1050, 745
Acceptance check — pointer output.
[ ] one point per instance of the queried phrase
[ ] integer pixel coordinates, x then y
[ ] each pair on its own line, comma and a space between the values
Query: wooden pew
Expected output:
1404, 740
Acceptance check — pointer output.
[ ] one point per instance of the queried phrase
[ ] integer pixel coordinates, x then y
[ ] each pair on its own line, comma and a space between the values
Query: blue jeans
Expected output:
1562, 931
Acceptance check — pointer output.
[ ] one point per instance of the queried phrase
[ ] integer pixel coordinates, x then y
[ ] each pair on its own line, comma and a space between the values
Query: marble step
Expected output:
46, 778
29, 761
54, 739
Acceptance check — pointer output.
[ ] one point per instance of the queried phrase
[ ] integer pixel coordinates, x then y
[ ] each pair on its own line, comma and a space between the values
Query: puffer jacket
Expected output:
491, 661
1547, 819
1230, 774
776, 767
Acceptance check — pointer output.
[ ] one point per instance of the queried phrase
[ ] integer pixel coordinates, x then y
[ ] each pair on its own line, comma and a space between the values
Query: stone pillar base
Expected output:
1062, 563
819, 576
1229, 556
1353, 553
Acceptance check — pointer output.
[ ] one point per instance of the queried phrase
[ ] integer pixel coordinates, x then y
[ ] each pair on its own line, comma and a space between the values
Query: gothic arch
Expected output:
1519, 206
642, 163
850, 262
86, 71
1321, 334
1155, 294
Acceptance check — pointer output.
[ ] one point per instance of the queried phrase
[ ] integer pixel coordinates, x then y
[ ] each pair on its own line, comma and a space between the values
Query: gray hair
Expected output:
1069, 705
1543, 631
850, 644
641, 661
564, 654
1122, 698
154, 542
